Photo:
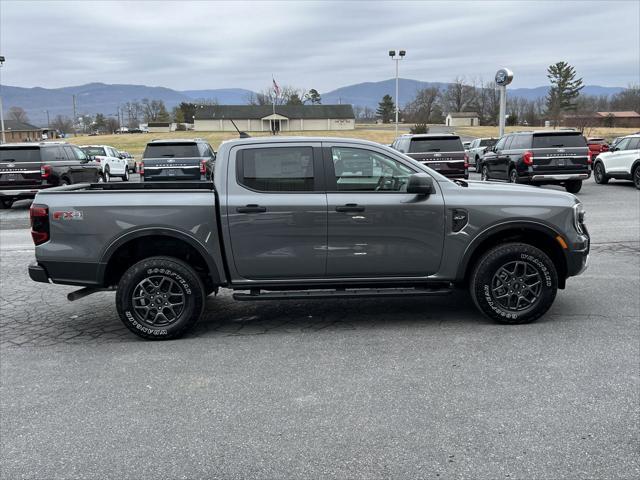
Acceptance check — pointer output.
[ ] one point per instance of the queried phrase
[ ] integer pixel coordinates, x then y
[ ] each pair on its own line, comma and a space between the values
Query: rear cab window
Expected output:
19, 154
487, 142
276, 169
171, 150
558, 140
99, 151
435, 144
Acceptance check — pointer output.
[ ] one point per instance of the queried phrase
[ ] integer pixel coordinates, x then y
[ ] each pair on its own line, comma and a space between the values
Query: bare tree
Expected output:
458, 96
111, 125
18, 114
420, 109
154, 111
62, 124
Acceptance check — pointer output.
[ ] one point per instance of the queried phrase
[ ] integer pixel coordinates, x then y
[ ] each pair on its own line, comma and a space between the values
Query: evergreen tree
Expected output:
565, 88
386, 109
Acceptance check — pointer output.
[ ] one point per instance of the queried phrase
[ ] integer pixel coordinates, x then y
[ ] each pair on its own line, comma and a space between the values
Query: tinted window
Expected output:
634, 144
508, 142
623, 144
443, 144
487, 142
51, 154
559, 140
19, 155
521, 141
171, 150
360, 170
94, 151
285, 169
79, 154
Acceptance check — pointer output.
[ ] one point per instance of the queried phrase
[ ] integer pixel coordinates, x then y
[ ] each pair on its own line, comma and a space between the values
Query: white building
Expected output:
261, 118
462, 119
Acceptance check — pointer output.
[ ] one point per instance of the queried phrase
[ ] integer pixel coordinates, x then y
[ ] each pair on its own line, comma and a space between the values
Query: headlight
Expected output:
578, 217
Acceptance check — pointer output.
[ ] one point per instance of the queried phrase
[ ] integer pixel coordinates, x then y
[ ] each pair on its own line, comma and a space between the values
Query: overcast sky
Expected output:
197, 45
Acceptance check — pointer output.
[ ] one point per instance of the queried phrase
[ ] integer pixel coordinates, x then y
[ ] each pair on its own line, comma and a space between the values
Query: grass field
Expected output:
135, 143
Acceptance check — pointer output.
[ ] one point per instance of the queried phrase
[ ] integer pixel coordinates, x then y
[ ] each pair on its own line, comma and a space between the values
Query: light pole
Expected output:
504, 77
4, 140
401, 54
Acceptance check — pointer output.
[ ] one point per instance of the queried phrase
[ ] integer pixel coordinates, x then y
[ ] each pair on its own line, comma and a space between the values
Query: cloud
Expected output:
323, 45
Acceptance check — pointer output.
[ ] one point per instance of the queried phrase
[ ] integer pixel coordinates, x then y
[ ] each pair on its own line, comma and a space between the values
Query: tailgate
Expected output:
172, 169
560, 152
19, 167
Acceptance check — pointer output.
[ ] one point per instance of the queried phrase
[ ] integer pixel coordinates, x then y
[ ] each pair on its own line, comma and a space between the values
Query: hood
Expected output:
514, 192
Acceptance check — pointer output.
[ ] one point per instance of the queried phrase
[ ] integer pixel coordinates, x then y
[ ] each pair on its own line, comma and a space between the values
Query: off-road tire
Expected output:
599, 174
185, 286
486, 275
573, 186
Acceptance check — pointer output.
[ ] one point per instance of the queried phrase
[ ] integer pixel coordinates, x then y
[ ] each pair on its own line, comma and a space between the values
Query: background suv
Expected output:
26, 168
444, 153
177, 160
113, 164
621, 162
540, 158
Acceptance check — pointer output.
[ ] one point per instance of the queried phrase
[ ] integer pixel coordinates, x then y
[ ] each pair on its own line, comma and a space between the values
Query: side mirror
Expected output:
420, 184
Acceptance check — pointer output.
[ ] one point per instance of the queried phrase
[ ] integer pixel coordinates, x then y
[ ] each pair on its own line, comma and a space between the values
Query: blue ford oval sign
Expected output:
504, 76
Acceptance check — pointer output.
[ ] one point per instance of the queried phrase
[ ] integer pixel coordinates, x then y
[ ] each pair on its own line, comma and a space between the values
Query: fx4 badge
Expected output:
72, 215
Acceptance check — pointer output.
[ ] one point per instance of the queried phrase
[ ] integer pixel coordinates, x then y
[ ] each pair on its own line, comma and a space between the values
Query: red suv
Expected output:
597, 146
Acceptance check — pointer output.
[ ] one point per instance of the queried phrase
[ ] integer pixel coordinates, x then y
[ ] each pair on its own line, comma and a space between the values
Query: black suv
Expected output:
177, 160
26, 168
539, 158
444, 153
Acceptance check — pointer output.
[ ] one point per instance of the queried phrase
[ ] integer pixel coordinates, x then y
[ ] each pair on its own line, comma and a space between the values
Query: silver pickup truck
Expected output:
294, 218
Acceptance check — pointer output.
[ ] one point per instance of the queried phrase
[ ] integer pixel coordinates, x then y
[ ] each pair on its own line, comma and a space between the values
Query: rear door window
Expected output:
568, 140
520, 142
436, 144
634, 144
171, 150
278, 169
508, 142
20, 155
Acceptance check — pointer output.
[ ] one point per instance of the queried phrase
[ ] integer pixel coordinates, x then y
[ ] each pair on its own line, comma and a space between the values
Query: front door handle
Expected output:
350, 207
251, 209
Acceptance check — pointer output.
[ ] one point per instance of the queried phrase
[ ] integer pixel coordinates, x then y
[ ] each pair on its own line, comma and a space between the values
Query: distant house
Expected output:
261, 118
628, 119
22, 132
462, 119
161, 127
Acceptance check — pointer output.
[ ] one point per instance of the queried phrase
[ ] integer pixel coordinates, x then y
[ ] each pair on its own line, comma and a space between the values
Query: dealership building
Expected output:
264, 118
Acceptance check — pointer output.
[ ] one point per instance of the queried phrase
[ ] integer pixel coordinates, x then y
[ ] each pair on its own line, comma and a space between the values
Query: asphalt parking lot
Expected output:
366, 388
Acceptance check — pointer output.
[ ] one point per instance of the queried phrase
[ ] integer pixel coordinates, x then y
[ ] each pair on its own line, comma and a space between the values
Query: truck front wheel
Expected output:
514, 283
160, 298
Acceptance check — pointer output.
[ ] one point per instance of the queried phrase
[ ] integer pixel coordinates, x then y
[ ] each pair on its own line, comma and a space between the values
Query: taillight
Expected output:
141, 168
466, 161
527, 158
39, 216
203, 167
589, 157
45, 171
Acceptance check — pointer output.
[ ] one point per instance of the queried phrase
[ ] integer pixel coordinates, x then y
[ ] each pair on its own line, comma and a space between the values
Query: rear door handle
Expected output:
251, 209
350, 207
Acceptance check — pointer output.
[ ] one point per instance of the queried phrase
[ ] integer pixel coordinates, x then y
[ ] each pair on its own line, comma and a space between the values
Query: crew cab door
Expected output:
276, 211
375, 228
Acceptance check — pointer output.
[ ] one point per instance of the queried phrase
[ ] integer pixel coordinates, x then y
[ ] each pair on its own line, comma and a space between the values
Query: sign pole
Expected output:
504, 77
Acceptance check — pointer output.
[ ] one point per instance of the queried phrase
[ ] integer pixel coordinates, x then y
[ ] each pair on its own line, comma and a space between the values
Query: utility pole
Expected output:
401, 54
4, 140
75, 132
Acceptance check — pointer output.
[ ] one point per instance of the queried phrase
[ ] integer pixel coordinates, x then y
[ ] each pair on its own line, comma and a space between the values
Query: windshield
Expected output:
94, 151
444, 144
171, 150
488, 142
559, 140
19, 155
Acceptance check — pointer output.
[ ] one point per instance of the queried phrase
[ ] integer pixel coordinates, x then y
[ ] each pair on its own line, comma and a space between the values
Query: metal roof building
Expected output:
262, 118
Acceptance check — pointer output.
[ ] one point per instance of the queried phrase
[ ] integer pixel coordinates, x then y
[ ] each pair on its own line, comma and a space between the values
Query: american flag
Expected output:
276, 88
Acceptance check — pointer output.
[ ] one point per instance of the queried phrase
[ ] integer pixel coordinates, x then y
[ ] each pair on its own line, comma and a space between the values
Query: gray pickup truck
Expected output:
294, 218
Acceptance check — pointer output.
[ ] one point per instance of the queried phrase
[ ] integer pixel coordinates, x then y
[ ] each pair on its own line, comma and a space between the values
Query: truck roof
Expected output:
176, 140
32, 144
282, 139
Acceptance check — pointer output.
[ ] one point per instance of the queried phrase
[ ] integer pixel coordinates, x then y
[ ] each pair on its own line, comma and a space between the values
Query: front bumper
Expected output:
578, 256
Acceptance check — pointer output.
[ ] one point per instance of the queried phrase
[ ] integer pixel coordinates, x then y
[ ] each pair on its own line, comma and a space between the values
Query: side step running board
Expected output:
342, 293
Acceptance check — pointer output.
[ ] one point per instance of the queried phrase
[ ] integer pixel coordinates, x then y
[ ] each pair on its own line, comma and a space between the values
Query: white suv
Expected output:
621, 162
110, 160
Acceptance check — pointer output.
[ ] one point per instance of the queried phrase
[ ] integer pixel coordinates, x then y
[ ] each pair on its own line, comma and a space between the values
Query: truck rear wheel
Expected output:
573, 186
160, 298
514, 283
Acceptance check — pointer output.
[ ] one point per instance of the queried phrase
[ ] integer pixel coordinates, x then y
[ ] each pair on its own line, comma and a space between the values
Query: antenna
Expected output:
241, 134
